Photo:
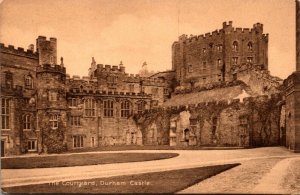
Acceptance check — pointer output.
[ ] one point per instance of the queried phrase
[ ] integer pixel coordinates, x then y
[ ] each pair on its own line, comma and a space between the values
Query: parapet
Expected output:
10, 49
110, 68
51, 68
258, 27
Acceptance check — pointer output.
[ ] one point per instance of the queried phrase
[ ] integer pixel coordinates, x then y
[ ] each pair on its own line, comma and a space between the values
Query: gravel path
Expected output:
241, 179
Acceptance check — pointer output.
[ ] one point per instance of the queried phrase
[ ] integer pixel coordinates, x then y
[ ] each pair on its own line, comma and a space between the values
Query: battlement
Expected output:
86, 91
10, 49
110, 68
229, 102
258, 27
43, 38
51, 68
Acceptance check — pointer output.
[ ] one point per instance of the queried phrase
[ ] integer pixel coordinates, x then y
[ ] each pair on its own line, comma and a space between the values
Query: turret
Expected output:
47, 50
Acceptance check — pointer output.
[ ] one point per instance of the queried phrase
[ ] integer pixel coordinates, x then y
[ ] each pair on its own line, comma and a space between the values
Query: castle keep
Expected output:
219, 92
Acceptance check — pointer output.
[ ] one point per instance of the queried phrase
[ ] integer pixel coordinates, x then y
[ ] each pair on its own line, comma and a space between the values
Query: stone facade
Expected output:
43, 109
212, 57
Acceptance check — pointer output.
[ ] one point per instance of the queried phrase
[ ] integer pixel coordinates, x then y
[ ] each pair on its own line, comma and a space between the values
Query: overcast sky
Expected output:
135, 31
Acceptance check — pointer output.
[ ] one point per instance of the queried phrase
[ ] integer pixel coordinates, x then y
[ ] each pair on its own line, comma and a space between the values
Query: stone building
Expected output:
238, 103
213, 57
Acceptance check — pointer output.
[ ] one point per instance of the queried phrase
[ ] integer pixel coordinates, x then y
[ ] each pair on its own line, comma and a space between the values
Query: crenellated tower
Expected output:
51, 97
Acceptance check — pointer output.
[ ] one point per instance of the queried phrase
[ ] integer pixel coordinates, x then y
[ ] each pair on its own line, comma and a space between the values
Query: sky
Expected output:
136, 31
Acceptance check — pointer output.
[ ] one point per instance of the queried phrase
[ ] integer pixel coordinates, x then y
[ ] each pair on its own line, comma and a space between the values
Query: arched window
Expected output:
108, 108
141, 107
28, 82
125, 108
26, 122
89, 107
250, 46
53, 121
235, 46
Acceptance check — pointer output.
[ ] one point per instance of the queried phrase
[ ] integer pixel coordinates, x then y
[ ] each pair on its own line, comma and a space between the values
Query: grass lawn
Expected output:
157, 182
80, 159
152, 147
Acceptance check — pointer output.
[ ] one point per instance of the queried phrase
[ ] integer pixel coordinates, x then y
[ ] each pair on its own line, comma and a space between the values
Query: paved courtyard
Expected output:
252, 176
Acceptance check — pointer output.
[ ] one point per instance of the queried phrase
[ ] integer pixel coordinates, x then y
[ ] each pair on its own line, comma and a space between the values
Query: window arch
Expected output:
235, 46
53, 121
28, 82
27, 122
250, 46
108, 108
89, 107
125, 108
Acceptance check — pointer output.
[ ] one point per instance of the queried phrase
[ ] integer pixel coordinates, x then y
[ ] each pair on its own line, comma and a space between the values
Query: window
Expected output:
204, 66
108, 108
166, 91
51, 60
220, 77
28, 82
249, 59
31, 145
235, 46
26, 122
131, 88
250, 46
9, 79
74, 102
78, 141
235, 60
204, 50
93, 142
52, 96
204, 79
5, 112
89, 107
141, 107
75, 121
214, 126
190, 68
125, 108
54, 121
186, 135
219, 48
219, 62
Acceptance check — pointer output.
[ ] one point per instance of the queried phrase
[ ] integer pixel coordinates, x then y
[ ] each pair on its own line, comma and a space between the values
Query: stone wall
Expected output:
252, 122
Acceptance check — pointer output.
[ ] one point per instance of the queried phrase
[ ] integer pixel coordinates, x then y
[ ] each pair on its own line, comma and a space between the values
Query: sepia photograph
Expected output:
150, 96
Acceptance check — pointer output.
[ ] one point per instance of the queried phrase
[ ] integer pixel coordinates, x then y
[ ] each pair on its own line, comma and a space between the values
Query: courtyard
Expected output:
260, 170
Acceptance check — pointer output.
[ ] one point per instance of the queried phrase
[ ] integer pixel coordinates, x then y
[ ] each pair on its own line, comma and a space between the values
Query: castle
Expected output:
219, 92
